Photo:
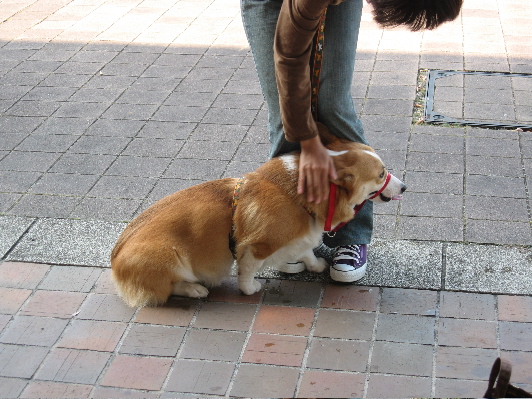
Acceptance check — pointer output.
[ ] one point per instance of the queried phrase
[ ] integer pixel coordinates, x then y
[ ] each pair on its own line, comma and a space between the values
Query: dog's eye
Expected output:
382, 175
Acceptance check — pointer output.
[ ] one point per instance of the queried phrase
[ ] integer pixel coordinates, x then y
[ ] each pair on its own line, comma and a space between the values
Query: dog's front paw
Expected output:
318, 266
250, 288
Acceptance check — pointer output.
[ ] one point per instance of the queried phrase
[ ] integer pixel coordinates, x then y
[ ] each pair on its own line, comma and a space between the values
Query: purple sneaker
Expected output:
349, 263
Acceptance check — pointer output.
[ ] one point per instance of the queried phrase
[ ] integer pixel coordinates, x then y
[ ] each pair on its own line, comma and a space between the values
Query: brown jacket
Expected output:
296, 27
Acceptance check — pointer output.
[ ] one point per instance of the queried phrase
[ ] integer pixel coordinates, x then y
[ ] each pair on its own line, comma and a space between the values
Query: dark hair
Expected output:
416, 14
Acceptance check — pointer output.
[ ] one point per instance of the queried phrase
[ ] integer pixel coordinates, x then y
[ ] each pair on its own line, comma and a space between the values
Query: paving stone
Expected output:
92, 335
124, 187
398, 358
99, 145
464, 363
495, 186
521, 366
152, 340
226, 316
483, 208
338, 355
105, 307
387, 386
73, 242
12, 299
464, 305
107, 209
350, 297
322, 384
515, 336
70, 278
431, 162
20, 361
47, 143
175, 312
275, 349
105, 392
43, 389
138, 166
515, 308
434, 182
255, 380
213, 345
69, 365
29, 161
22, 275
431, 228
53, 304
437, 144
410, 302
405, 328
401, 263
292, 293
45, 205
195, 169
200, 377
345, 324
493, 166
4, 320
458, 388
481, 231
479, 268
284, 320
32, 330
467, 333
228, 291
422, 204
64, 184
12, 387
137, 372
86, 164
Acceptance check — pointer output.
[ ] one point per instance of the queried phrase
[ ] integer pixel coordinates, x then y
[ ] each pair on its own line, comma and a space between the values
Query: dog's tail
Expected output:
139, 284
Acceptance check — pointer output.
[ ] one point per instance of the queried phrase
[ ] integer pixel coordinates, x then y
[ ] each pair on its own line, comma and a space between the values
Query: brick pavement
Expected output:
106, 106
77, 339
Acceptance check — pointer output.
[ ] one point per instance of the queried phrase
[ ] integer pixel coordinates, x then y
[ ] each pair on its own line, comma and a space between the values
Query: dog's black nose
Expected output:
403, 188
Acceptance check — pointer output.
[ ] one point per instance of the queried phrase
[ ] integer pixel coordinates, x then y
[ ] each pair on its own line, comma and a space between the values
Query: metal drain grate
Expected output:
485, 99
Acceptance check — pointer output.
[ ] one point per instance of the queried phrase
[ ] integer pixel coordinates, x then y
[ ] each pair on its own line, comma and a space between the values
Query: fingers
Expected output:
314, 181
316, 167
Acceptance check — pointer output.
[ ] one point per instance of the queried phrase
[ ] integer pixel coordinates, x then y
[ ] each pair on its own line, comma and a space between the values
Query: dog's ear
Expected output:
349, 183
346, 179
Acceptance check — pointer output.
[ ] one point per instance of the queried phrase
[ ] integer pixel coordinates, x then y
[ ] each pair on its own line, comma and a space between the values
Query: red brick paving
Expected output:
351, 341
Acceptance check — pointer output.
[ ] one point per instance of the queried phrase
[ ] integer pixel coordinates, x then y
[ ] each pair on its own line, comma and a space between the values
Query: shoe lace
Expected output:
352, 251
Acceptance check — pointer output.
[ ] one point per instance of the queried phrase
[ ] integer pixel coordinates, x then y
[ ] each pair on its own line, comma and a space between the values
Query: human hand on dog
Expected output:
316, 167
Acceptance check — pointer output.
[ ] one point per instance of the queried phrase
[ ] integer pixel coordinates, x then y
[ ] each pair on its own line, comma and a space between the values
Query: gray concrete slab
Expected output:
488, 268
402, 263
65, 241
11, 229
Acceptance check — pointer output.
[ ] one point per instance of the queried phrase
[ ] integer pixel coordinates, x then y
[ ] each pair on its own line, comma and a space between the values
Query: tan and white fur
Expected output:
180, 245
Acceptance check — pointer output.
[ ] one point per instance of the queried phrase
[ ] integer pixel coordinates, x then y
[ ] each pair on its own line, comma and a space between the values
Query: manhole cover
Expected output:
484, 99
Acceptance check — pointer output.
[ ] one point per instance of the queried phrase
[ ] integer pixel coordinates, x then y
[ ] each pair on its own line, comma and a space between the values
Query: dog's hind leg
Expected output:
192, 290
248, 266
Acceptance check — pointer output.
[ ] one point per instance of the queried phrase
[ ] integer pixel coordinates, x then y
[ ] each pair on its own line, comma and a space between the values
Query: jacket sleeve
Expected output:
297, 24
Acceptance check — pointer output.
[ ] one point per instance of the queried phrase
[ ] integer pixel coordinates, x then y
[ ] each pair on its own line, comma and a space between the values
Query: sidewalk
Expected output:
106, 106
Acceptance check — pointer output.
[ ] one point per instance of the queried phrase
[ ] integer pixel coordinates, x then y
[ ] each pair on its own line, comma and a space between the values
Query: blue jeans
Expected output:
335, 105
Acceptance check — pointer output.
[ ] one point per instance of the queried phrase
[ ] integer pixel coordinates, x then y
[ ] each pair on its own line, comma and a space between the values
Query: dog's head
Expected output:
361, 172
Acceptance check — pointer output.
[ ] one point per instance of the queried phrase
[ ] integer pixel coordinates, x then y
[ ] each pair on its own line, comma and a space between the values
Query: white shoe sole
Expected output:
291, 267
349, 276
